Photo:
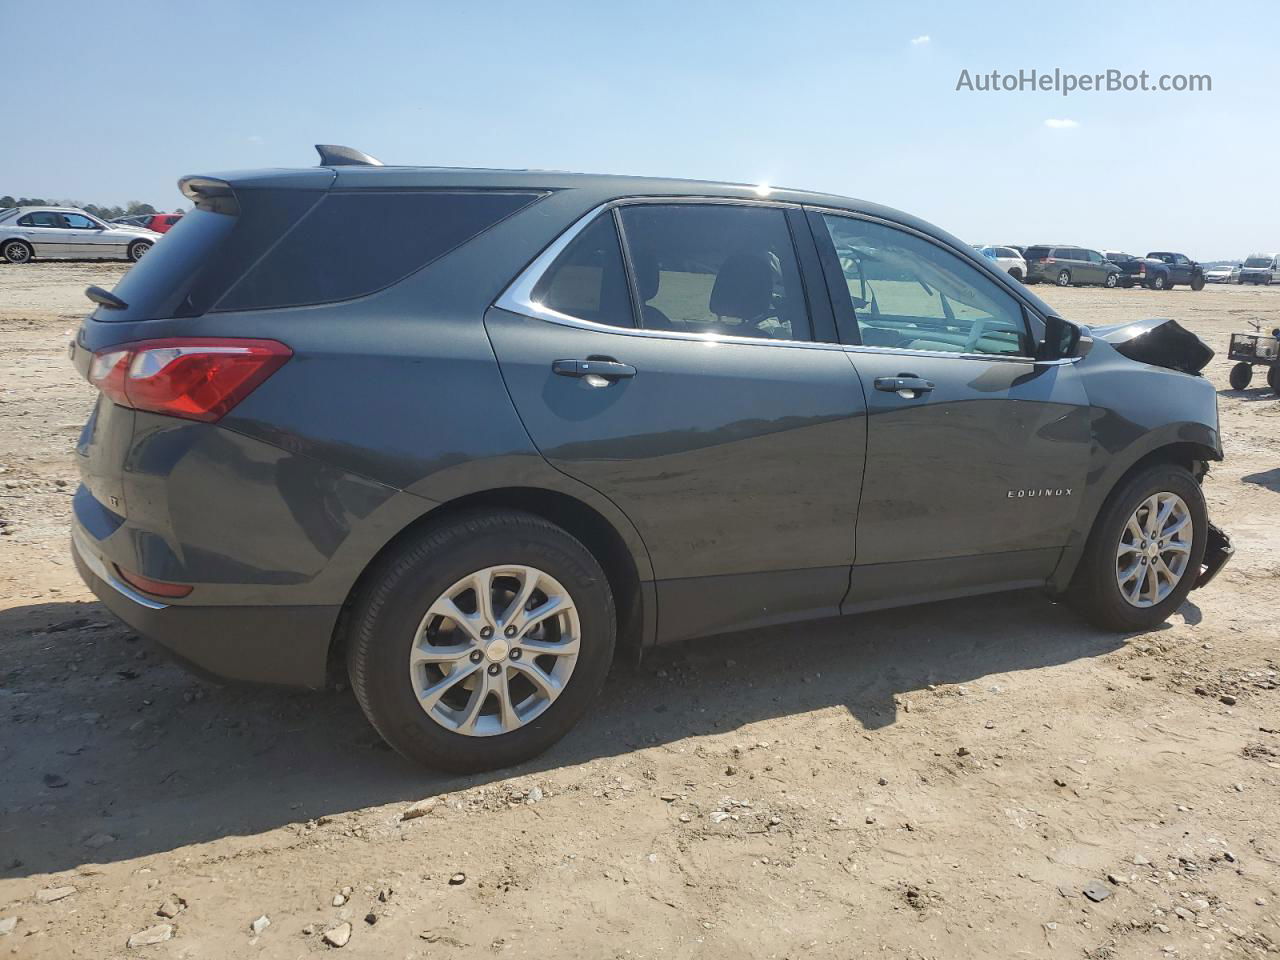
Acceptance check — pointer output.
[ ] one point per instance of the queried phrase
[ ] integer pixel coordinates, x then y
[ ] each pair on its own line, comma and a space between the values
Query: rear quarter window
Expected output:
353, 244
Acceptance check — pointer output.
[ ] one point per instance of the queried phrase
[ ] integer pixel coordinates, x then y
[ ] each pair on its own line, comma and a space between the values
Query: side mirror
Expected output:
1063, 339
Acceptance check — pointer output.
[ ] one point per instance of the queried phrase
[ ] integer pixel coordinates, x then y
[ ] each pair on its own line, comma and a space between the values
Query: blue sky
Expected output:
825, 96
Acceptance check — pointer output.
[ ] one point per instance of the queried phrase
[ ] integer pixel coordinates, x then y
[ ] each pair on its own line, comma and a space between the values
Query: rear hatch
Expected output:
1036, 258
182, 277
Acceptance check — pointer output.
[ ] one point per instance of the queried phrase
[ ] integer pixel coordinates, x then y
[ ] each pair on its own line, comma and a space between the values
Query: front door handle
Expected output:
597, 372
906, 385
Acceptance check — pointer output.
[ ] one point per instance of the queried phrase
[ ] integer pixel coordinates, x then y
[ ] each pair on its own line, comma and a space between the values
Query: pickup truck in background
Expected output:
1158, 271
1260, 268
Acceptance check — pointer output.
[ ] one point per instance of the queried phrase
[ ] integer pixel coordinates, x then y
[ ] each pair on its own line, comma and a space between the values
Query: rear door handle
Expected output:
904, 384
605, 370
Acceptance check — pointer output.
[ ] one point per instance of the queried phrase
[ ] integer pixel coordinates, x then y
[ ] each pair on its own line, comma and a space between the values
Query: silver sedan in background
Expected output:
67, 233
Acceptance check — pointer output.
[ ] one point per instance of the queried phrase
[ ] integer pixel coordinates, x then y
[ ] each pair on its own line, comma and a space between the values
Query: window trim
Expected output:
825, 251
518, 296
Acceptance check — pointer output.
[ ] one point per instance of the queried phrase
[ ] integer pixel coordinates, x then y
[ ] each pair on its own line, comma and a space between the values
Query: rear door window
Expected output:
588, 280
42, 218
728, 269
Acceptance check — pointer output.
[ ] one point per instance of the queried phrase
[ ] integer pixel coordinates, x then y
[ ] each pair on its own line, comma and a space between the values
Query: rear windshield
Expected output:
302, 247
1036, 253
1258, 262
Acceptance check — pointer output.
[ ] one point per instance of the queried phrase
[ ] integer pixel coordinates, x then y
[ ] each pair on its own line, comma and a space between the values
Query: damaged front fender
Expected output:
1159, 341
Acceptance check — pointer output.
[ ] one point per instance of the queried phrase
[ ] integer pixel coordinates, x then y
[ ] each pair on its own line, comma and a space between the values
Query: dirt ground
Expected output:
942, 782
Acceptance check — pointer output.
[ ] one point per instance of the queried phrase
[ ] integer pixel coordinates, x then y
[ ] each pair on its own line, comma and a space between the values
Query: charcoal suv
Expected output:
464, 431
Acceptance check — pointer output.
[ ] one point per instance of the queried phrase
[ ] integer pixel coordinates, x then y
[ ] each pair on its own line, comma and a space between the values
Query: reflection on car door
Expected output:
732, 440
976, 454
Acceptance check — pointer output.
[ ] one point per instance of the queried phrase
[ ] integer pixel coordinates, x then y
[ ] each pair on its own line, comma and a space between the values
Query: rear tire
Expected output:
138, 249
1240, 375
16, 251
1273, 378
1096, 589
1158, 282
1064, 278
1112, 280
1016, 274
391, 620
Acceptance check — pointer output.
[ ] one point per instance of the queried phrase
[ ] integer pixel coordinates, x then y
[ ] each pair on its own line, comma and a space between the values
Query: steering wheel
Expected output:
975, 334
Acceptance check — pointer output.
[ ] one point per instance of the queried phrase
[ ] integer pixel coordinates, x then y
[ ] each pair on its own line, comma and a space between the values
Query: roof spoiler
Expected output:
334, 155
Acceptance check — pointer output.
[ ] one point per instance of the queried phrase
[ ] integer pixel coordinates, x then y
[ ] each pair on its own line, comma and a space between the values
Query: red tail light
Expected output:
1142, 270
196, 378
1046, 259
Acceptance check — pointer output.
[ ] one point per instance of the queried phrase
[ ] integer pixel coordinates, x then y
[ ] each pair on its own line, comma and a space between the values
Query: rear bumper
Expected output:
287, 645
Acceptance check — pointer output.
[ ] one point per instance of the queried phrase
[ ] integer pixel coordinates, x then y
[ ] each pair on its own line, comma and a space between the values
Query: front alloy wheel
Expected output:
1155, 545
495, 650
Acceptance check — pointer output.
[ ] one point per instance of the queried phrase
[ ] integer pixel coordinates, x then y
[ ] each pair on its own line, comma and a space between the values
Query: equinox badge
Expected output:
1039, 492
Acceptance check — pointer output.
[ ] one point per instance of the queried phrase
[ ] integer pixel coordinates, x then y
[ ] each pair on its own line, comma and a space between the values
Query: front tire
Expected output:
16, 251
526, 662
138, 249
1197, 284
1064, 278
1144, 553
1273, 378
1240, 375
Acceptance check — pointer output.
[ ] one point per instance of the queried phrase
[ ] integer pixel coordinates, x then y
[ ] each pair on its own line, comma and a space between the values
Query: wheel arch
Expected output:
630, 575
1194, 454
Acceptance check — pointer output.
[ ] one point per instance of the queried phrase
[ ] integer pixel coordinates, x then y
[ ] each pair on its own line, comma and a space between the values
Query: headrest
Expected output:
743, 287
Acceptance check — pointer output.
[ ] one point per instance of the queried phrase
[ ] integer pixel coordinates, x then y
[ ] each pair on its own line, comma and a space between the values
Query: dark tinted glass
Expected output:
1036, 253
353, 244
716, 268
588, 281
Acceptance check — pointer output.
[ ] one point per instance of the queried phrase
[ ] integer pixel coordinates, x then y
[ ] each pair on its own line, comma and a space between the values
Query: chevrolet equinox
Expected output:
464, 432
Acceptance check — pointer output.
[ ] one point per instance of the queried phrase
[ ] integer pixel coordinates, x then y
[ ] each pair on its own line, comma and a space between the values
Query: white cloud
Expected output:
920, 41
1061, 124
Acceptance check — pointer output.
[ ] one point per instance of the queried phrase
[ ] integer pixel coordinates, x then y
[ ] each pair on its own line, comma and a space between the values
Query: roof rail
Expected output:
334, 155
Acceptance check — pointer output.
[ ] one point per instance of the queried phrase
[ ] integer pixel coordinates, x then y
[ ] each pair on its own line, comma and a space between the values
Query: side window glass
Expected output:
41, 219
911, 294
729, 269
77, 222
588, 281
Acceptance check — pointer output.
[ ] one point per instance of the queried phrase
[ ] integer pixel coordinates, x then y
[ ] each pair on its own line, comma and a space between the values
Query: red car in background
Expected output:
159, 222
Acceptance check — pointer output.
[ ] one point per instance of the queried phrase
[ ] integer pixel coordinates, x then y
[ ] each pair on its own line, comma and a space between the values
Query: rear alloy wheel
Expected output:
138, 249
1112, 279
1273, 378
482, 642
1240, 375
1144, 552
15, 251
1064, 278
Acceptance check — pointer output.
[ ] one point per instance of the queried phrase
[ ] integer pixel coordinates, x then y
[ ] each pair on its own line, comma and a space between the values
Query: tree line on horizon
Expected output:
131, 209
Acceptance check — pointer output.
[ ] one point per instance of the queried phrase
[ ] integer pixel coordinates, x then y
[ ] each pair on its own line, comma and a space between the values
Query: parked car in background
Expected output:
68, 233
575, 460
1157, 271
1260, 268
1070, 266
159, 222
1182, 270
1007, 259
1223, 273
